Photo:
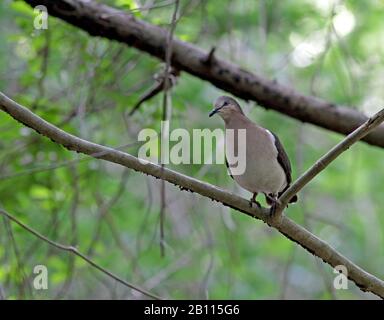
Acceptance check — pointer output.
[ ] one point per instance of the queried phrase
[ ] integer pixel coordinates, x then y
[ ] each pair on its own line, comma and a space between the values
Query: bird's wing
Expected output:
283, 159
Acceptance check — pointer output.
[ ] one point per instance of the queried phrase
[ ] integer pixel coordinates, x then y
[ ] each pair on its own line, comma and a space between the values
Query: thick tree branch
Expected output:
101, 20
331, 155
76, 252
284, 225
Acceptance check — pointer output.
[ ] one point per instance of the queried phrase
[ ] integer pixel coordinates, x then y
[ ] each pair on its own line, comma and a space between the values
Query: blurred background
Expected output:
85, 85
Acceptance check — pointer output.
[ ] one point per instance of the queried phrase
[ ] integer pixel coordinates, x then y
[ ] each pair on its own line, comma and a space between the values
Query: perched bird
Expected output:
267, 167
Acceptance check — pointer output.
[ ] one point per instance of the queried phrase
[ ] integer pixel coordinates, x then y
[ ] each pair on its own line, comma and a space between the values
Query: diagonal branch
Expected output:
104, 21
331, 155
284, 225
76, 252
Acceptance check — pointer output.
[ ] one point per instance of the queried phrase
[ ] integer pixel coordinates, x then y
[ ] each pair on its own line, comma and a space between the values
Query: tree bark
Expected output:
104, 21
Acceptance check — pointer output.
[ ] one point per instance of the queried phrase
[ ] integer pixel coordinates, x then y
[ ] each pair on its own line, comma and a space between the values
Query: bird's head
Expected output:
225, 107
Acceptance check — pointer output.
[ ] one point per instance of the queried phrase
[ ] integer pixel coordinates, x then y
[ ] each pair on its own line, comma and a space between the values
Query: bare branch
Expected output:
74, 250
104, 21
286, 226
330, 156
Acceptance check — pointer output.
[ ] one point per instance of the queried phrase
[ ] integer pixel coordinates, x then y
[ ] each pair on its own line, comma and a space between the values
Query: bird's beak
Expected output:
214, 111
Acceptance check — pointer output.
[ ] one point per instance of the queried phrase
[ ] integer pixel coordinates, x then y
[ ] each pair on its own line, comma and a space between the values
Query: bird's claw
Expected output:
252, 201
272, 210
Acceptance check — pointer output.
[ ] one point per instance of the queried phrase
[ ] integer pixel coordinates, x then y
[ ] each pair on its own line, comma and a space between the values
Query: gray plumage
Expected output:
268, 169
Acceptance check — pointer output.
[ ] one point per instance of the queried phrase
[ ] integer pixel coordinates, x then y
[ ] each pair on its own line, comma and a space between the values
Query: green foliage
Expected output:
85, 85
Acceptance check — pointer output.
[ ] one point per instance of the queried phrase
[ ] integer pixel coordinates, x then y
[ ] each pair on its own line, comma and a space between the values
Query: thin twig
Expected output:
74, 233
104, 209
59, 165
160, 85
19, 262
44, 69
2, 293
74, 250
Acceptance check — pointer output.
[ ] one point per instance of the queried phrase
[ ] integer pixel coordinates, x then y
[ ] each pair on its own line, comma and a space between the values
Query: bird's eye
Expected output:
224, 104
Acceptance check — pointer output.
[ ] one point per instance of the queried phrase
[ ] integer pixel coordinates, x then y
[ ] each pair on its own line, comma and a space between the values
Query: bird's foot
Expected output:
274, 202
